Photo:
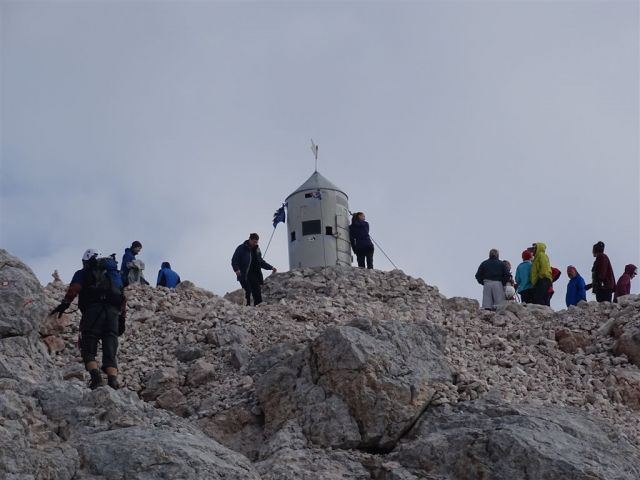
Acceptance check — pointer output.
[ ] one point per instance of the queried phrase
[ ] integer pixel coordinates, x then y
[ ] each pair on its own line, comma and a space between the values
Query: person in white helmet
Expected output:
102, 303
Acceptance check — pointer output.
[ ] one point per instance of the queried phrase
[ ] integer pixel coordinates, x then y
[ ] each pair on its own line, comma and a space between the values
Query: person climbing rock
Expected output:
101, 300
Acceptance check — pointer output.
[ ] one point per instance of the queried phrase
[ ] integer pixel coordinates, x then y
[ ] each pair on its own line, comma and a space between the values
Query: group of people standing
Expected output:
535, 277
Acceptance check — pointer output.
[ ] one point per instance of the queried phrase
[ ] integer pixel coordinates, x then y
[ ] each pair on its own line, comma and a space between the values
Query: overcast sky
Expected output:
455, 126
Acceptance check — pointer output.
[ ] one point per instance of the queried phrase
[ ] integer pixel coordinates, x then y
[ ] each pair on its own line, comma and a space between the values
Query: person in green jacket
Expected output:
541, 274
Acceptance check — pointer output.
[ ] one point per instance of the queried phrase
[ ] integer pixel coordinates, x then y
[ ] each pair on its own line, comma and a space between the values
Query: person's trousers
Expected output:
493, 294
99, 324
253, 288
603, 296
528, 296
541, 296
365, 253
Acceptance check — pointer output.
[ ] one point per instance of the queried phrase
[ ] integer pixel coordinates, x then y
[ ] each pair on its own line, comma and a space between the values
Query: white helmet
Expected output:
509, 292
89, 254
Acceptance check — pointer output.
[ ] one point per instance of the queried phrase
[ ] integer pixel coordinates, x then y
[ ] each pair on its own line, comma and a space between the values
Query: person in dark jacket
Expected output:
623, 287
103, 317
247, 263
128, 257
360, 240
603, 279
493, 275
167, 277
576, 288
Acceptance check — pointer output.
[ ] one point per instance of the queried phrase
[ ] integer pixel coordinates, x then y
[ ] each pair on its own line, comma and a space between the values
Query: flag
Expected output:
279, 216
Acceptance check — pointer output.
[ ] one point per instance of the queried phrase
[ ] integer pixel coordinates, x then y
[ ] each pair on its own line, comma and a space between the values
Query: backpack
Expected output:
104, 283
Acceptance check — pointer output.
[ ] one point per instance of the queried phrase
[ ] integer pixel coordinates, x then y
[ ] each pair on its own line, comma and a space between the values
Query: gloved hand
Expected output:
121, 324
60, 308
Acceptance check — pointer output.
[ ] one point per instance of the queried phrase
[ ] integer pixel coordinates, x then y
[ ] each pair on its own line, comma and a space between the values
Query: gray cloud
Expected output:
456, 127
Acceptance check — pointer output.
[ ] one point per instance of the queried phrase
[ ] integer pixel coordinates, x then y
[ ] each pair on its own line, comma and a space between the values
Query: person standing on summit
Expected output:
128, 257
247, 263
541, 276
492, 274
360, 240
623, 287
523, 278
603, 279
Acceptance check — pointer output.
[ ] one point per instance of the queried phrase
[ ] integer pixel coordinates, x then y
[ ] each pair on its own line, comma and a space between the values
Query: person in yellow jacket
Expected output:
541, 274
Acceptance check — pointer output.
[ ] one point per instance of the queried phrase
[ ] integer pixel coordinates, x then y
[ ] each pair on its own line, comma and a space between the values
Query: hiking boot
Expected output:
112, 381
96, 379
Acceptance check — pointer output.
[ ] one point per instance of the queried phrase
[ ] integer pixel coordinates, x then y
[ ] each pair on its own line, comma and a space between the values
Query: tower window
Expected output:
311, 227
293, 236
328, 230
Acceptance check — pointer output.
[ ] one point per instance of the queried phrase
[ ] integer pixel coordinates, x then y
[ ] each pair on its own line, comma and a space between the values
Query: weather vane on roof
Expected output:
314, 149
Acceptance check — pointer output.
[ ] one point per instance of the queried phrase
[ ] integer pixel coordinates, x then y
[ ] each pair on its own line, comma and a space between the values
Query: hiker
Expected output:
555, 275
576, 291
247, 263
128, 257
509, 286
492, 274
102, 303
167, 277
623, 287
541, 274
603, 280
360, 240
523, 278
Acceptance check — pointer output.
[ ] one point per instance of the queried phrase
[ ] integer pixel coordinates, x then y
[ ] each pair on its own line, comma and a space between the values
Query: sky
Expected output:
456, 127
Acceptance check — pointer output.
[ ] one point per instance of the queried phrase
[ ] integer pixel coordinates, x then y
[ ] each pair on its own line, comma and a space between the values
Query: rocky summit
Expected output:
343, 373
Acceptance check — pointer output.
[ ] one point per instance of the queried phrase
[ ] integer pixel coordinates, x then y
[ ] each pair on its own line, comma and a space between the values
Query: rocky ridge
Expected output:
341, 373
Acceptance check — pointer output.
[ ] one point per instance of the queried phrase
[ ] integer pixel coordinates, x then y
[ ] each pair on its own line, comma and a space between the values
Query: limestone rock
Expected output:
495, 441
22, 300
352, 388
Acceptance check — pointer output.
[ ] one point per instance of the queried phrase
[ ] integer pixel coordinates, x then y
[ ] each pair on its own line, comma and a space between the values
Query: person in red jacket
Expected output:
603, 279
623, 287
555, 275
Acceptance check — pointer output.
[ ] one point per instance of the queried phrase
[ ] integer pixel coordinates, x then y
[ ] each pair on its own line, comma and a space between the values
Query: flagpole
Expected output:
269, 243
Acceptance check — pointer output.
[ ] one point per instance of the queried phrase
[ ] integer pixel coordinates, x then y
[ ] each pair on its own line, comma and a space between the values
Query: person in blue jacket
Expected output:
167, 277
128, 257
247, 263
523, 278
360, 240
576, 290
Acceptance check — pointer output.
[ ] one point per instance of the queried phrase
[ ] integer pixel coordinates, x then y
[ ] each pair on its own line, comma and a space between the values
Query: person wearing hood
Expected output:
167, 277
523, 278
623, 287
603, 279
247, 263
493, 275
576, 288
541, 277
128, 257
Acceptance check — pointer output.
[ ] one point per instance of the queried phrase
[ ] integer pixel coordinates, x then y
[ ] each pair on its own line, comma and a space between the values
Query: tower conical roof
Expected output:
315, 182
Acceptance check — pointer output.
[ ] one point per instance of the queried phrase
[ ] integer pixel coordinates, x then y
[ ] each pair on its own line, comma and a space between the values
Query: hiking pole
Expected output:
269, 243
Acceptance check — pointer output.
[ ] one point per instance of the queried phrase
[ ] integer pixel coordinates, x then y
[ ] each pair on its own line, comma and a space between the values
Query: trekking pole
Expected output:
269, 243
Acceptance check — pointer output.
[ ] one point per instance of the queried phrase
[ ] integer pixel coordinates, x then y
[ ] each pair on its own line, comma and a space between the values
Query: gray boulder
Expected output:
118, 436
356, 386
22, 300
490, 440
